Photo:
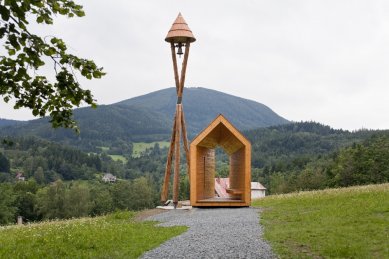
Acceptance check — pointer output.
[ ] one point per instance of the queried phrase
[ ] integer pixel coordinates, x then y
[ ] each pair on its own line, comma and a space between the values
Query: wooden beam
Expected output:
176, 179
185, 140
165, 187
175, 68
183, 69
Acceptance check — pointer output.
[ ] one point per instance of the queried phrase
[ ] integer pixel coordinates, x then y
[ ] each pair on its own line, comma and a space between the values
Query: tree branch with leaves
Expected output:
23, 57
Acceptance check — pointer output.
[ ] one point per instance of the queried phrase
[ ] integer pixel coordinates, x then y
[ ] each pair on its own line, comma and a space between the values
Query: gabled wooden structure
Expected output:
202, 166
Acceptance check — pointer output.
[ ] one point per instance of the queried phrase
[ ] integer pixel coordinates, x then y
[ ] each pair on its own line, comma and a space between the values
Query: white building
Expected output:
222, 184
257, 190
109, 178
20, 177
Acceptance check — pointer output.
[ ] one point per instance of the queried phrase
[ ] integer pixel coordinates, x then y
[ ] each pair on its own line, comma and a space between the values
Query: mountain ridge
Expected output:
149, 118
202, 105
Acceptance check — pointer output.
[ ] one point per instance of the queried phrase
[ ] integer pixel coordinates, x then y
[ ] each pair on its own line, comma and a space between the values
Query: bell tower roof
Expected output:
180, 32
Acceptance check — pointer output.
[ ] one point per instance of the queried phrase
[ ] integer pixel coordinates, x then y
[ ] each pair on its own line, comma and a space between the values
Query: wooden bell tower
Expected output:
180, 37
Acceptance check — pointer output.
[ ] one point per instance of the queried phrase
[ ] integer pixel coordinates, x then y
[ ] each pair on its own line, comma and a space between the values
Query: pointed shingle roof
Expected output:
180, 32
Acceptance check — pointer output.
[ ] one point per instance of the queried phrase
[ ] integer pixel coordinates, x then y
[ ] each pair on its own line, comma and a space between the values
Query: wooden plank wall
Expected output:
237, 171
205, 173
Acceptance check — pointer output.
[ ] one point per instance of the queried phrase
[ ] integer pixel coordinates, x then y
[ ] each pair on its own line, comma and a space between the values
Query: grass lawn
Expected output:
116, 235
335, 223
119, 158
140, 147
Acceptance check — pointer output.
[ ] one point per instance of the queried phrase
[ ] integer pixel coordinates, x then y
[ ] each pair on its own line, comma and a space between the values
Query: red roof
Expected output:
221, 186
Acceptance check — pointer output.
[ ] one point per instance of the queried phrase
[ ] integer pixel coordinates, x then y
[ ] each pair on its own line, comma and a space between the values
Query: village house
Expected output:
257, 190
109, 178
20, 177
222, 185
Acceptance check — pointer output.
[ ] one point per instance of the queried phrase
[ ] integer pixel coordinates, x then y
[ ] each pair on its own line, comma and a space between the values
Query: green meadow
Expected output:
140, 147
116, 235
334, 223
119, 158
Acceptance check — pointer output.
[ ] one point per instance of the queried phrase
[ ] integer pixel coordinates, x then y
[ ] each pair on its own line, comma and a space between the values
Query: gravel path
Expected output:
213, 233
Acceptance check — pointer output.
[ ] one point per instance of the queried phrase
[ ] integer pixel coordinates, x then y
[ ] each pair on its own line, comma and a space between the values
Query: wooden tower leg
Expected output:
175, 68
185, 140
176, 180
183, 69
165, 188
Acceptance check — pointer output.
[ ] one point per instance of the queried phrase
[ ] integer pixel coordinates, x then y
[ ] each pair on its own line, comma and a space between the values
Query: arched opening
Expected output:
222, 163
220, 166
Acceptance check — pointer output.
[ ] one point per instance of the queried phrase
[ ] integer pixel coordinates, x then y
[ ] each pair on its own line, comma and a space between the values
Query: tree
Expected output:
77, 201
26, 199
7, 209
121, 195
39, 175
20, 68
4, 164
51, 201
101, 200
141, 194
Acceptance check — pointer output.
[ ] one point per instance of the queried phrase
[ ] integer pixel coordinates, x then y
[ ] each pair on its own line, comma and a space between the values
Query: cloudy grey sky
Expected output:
325, 60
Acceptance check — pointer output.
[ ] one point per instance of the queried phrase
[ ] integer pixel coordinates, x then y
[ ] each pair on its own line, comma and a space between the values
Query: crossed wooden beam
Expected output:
179, 130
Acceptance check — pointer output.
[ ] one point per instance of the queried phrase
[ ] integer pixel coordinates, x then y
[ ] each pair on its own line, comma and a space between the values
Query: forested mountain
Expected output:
289, 146
202, 105
108, 125
6, 122
149, 118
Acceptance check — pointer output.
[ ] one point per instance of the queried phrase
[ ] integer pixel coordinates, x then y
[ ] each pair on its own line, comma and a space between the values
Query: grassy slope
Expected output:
113, 236
140, 147
119, 158
336, 223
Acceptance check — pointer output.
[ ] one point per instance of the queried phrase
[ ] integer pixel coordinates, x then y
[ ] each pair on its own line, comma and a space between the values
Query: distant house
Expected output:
20, 177
109, 178
223, 184
257, 190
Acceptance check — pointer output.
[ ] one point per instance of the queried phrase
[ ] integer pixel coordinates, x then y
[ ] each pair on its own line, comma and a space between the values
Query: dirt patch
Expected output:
142, 215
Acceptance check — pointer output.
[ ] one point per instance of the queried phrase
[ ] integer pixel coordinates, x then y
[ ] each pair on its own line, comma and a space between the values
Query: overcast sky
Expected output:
325, 61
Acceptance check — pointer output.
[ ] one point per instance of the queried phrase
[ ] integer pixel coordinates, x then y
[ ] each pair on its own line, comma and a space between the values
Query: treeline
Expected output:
45, 161
286, 158
361, 163
61, 200
63, 182
292, 146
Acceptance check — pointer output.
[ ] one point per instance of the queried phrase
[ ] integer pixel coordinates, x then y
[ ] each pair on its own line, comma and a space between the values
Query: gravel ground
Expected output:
213, 233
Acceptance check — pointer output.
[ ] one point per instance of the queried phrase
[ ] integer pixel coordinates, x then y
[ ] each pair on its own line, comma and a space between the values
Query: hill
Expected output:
149, 118
309, 155
6, 122
202, 105
328, 223
284, 146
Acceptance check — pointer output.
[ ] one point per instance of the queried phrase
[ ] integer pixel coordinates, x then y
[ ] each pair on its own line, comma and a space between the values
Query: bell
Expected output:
179, 50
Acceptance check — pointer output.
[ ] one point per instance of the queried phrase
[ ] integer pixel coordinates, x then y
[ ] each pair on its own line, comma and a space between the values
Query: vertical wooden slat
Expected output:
185, 140
183, 69
175, 68
176, 180
165, 187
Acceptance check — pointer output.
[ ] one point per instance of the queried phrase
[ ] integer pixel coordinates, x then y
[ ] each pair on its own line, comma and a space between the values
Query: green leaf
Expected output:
4, 12
39, 19
11, 52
